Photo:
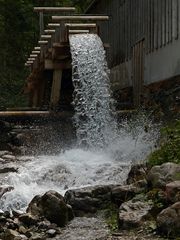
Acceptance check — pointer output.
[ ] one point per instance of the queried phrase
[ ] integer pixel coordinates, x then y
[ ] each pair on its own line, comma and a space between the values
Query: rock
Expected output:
159, 176
168, 221
2, 153
88, 200
8, 169
126, 192
9, 157
5, 189
17, 213
133, 213
51, 233
137, 172
13, 235
51, 206
37, 236
28, 219
5, 126
173, 191
23, 230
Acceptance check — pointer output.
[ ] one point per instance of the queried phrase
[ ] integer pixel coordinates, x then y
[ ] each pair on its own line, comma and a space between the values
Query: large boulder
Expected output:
168, 221
88, 200
173, 191
127, 192
159, 176
133, 213
51, 206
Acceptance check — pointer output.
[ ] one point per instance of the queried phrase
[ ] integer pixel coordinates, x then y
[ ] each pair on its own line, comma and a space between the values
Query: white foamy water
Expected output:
108, 152
94, 122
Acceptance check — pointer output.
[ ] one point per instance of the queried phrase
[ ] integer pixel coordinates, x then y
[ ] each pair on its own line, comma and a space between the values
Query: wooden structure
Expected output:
49, 61
145, 37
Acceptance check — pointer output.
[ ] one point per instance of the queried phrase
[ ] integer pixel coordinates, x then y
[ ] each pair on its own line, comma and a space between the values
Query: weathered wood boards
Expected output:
54, 9
79, 18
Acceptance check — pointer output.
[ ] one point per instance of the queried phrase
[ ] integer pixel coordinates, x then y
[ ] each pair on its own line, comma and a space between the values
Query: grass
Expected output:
169, 150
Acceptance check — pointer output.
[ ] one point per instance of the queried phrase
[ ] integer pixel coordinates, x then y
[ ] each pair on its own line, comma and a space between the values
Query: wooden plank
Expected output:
78, 31
33, 55
43, 42
36, 52
37, 48
81, 25
53, 25
79, 18
49, 31
54, 9
31, 59
46, 36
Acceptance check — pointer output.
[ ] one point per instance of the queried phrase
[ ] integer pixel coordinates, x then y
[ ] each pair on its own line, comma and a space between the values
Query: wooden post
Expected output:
56, 88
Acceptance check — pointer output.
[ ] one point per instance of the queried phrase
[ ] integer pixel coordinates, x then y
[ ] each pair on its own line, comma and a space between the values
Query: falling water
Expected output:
92, 97
109, 150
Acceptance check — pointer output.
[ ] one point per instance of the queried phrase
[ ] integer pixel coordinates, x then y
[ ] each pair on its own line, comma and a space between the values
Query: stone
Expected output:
13, 235
161, 175
173, 191
28, 219
89, 199
16, 213
9, 157
5, 126
168, 221
51, 233
125, 193
2, 153
138, 172
51, 206
133, 213
5, 189
8, 169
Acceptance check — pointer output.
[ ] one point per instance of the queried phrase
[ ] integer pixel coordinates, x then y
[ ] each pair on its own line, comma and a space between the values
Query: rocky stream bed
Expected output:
145, 206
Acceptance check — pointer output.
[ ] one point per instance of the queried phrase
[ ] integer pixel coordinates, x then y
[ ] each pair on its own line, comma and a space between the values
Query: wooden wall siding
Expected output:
156, 21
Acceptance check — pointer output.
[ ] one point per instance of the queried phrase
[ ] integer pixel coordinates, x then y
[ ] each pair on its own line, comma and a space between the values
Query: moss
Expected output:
169, 150
110, 214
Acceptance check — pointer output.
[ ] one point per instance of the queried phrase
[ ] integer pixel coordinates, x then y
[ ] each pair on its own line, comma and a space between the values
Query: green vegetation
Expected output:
111, 217
169, 150
19, 27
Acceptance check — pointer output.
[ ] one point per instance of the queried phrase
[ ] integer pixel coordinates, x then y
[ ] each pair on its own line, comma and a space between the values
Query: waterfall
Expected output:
94, 122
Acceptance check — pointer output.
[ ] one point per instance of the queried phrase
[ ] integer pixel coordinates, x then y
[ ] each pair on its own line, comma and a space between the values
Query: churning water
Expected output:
103, 154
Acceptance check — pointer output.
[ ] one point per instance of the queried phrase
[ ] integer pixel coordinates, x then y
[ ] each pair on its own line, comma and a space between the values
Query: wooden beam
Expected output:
54, 9
31, 59
46, 36
79, 18
53, 25
43, 42
33, 55
29, 62
51, 65
37, 48
81, 25
78, 31
49, 31
36, 52
56, 88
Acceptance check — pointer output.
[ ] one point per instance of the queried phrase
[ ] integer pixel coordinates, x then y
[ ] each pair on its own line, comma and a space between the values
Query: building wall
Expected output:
154, 21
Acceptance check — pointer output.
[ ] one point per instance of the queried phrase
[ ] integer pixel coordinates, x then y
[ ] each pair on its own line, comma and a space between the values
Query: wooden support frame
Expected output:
56, 88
